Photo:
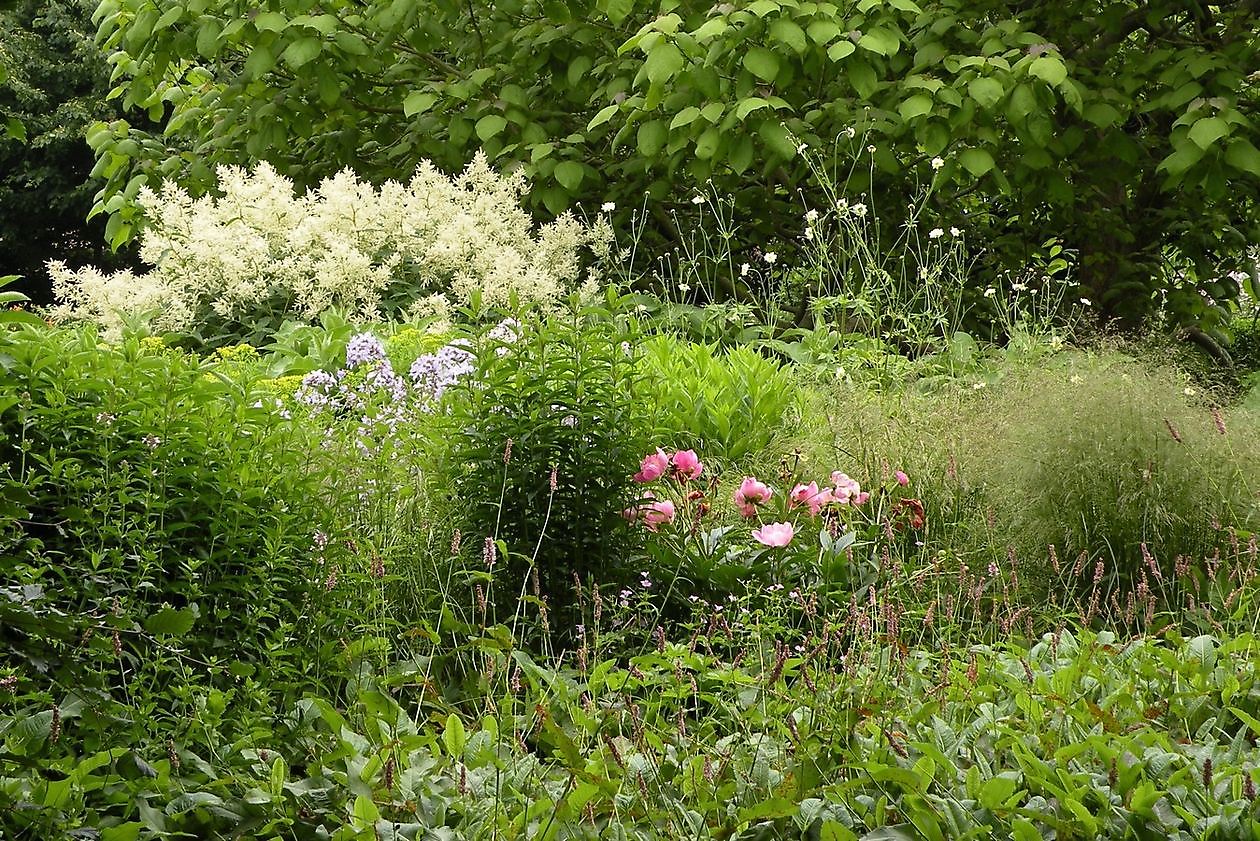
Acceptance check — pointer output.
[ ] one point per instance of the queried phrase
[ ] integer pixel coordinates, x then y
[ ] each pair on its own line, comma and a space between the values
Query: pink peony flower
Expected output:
658, 514
901, 477
846, 490
811, 497
687, 463
653, 467
774, 534
750, 494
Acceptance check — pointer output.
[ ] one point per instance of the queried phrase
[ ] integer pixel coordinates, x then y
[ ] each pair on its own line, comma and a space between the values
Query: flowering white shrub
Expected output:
260, 249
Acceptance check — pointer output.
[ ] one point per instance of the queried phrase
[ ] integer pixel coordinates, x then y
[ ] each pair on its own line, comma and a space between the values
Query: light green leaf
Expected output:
489, 126
749, 105
995, 792
569, 175
454, 737
617, 10
785, 31
417, 102
605, 114
762, 63
168, 620
986, 91
208, 39
684, 117
915, 106
271, 22
880, 41
707, 143
823, 31
663, 62
260, 62
300, 52
1207, 131
777, 139
976, 161
841, 49
1049, 69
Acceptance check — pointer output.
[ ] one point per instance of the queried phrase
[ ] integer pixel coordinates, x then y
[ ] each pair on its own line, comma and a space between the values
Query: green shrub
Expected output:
142, 496
728, 403
547, 433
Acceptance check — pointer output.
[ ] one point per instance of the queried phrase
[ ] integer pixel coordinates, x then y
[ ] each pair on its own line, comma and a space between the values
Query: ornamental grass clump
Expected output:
240, 262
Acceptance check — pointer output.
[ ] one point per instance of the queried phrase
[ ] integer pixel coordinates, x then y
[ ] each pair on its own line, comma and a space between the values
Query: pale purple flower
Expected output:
364, 347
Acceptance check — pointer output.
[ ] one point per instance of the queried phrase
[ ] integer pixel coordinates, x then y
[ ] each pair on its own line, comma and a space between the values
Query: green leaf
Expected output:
300, 52
762, 63
862, 77
663, 62
651, 137
915, 106
417, 102
776, 137
168, 620
1049, 69
841, 49
271, 22
260, 62
684, 117
986, 91
605, 114
1242, 155
707, 143
787, 32
454, 737
976, 161
1207, 131
569, 175
1102, 115
823, 31
880, 41
617, 10
749, 105
16, 129
489, 126
995, 792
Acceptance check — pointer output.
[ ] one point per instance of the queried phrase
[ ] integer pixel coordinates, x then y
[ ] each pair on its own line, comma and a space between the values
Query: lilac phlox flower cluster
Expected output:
364, 347
318, 390
433, 373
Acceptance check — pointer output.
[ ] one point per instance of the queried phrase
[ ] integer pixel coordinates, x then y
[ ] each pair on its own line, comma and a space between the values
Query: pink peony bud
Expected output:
653, 467
687, 464
750, 494
901, 477
774, 534
846, 490
658, 514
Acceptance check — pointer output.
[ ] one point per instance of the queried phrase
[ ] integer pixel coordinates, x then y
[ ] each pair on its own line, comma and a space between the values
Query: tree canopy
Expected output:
1126, 129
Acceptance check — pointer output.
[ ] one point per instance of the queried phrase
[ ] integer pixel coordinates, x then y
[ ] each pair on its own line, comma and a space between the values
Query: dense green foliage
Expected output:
1124, 129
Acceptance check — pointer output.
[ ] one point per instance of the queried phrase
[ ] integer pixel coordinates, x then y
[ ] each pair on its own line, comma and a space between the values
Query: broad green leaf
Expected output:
762, 63
976, 161
749, 105
1102, 115
300, 52
260, 62
651, 137
617, 10
823, 31
986, 91
417, 102
996, 791
1207, 131
785, 31
915, 106
862, 77
663, 61
170, 621
880, 41
684, 117
707, 143
1023, 102
777, 139
489, 126
841, 49
1049, 69
569, 175
605, 114
271, 22
208, 38
1242, 155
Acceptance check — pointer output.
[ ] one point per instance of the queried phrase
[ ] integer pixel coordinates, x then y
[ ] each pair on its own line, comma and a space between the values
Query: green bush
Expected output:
727, 403
547, 433
154, 509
